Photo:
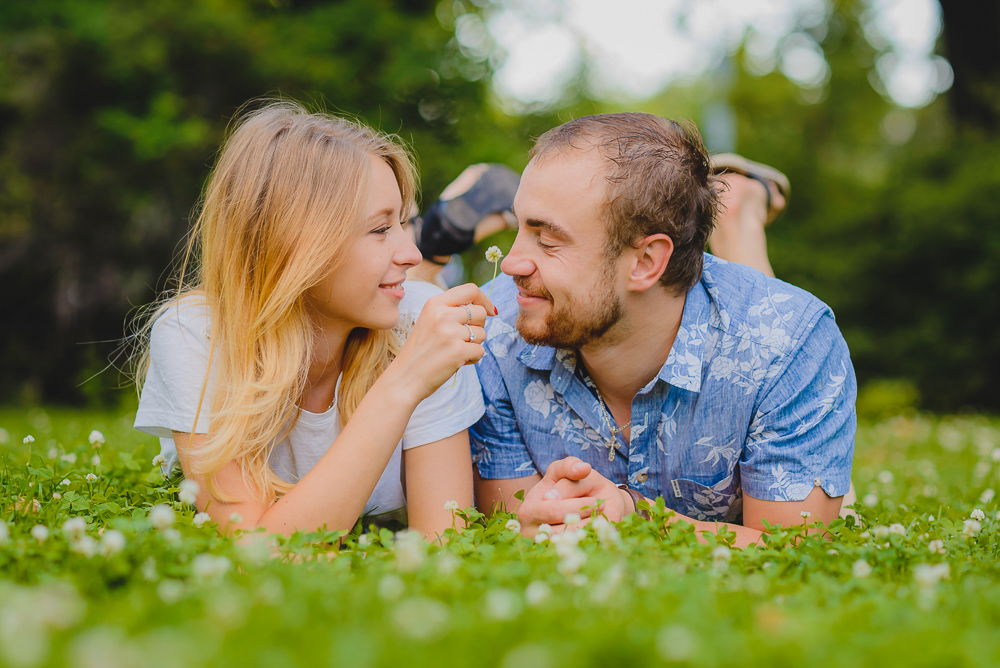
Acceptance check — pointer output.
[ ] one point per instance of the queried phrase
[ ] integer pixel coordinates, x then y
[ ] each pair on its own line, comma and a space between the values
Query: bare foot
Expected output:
739, 234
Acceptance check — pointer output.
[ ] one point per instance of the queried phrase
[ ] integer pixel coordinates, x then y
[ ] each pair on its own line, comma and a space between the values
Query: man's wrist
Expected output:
635, 497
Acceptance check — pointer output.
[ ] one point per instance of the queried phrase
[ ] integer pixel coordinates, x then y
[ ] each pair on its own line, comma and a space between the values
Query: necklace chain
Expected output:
610, 444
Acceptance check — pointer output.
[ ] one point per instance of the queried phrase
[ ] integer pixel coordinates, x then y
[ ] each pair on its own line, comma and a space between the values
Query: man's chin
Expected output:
532, 331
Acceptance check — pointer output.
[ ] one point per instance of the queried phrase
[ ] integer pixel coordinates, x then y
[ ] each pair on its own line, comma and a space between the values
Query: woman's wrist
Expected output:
396, 389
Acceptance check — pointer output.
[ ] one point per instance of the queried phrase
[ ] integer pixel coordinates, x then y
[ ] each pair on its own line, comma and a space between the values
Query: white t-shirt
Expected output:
178, 357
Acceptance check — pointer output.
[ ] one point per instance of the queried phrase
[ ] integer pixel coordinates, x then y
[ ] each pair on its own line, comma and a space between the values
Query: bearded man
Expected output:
626, 363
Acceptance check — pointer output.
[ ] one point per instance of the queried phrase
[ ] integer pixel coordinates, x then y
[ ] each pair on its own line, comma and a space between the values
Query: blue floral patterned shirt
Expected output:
757, 395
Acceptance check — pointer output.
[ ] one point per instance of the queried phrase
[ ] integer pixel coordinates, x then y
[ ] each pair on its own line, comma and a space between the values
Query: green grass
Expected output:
636, 595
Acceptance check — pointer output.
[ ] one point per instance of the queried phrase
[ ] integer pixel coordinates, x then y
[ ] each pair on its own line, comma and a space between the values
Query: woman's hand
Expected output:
448, 335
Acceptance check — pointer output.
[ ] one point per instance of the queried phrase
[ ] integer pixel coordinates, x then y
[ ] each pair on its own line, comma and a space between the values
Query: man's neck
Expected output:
633, 353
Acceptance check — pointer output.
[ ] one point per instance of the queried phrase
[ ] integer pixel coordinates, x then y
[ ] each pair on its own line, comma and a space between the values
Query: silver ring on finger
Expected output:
469, 311
472, 335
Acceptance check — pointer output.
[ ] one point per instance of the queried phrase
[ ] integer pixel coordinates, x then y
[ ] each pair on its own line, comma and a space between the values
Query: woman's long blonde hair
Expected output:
281, 207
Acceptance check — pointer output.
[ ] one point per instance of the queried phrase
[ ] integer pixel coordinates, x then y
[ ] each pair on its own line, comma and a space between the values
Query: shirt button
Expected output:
816, 482
642, 477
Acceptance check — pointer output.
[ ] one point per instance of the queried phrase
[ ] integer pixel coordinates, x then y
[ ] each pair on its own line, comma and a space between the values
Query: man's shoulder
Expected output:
765, 310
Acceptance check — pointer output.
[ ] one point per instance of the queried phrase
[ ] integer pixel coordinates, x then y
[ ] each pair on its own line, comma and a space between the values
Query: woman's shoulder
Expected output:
189, 311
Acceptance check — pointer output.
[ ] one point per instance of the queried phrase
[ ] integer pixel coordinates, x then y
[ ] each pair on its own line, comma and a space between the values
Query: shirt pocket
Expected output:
722, 502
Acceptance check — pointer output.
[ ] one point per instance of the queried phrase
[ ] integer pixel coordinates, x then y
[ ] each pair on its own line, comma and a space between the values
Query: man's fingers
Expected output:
569, 489
572, 468
554, 512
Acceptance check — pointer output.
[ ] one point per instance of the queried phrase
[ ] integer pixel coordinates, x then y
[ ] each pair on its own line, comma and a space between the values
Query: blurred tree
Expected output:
111, 112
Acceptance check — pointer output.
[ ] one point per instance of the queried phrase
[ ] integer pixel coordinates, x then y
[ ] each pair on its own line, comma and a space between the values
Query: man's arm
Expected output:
492, 495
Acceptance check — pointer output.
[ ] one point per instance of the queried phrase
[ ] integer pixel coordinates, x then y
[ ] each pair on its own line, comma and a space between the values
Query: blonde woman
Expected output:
282, 376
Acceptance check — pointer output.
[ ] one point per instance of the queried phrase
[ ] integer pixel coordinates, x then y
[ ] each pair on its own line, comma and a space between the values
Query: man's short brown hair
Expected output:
659, 182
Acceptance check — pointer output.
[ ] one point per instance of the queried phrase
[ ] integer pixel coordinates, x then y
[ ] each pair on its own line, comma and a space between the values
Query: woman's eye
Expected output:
382, 230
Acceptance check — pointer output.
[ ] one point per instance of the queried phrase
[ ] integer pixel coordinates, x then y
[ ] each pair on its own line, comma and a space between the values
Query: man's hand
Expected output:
571, 486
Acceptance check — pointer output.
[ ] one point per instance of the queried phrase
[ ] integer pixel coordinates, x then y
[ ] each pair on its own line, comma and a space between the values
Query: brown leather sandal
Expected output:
723, 163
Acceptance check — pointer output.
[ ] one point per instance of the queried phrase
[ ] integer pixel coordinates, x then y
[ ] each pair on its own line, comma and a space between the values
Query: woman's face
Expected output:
366, 288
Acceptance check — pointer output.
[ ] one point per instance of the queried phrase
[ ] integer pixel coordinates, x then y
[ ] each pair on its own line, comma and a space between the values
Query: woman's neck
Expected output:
325, 365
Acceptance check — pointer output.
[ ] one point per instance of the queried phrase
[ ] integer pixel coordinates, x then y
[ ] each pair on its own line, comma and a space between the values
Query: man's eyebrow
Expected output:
547, 226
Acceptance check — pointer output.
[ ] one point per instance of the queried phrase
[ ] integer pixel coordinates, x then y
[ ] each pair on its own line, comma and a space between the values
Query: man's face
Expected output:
568, 290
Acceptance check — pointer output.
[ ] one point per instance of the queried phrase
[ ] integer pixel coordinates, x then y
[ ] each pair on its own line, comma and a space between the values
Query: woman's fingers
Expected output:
468, 293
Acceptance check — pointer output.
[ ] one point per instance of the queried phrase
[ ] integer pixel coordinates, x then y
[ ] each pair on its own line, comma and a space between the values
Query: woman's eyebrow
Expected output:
382, 213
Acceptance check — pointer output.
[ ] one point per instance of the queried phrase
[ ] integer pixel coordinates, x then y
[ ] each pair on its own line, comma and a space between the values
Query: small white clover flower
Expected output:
571, 518
987, 495
188, 492
235, 518
541, 537
4, 532
96, 438
971, 528
870, 500
69, 458
977, 514
28, 440
159, 460
881, 532
40, 532
494, 254
513, 525
451, 506
364, 540
930, 518
65, 482
84, 546
74, 528
112, 542
161, 516
95, 460
537, 593
721, 554
897, 529
411, 551
53, 453
805, 514
56, 496
200, 519
885, 477
91, 477
206, 566
936, 546
861, 569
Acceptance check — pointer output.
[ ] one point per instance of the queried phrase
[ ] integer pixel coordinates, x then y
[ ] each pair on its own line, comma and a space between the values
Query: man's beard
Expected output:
574, 325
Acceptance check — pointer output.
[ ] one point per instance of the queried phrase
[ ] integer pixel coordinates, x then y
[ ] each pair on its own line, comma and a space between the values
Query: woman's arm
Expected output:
436, 473
333, 494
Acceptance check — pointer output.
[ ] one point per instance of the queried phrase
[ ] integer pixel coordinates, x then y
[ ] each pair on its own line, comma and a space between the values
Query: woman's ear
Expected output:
651, 258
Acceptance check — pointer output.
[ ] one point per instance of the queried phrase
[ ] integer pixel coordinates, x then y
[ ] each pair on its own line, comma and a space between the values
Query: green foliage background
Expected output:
111, 112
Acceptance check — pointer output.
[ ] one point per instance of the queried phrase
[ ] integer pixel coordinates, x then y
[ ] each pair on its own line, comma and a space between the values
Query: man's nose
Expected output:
517, 263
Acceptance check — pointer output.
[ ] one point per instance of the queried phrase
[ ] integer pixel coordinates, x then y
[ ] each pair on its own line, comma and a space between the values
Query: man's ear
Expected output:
650, 260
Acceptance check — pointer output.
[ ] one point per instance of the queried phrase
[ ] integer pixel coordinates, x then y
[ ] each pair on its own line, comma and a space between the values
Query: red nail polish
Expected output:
495, 311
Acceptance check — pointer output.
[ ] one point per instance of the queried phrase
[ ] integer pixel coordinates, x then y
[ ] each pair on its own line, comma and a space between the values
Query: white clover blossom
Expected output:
65, 482
56, 496
885, 477
930, 518
861, 569
91, 477
537, 593
74, 528
53, 453
936, 546
881, 532
501, 604
28, 440
159, 460
928, 576
513, 525
606, 532
112, 542
451, 506
571, 518
897, 529
200, 519
95, 460
69, 458
805, 514
161, 516
235, 518
84, 546
494, 254
96, 438
411, 550
977, 514
364, 540
208, 566
870, 500
188, 492
971, 527
721, 555
40, 532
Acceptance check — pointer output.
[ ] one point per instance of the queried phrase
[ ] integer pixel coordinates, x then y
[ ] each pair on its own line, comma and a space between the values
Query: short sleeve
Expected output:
179, 351
802, 434
452, 408
498, 448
